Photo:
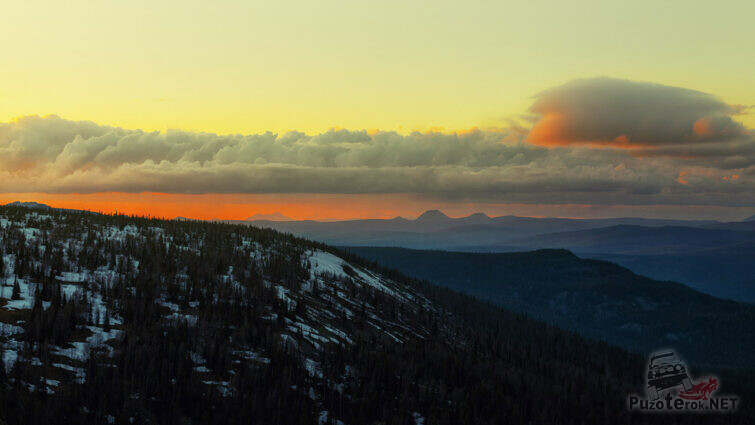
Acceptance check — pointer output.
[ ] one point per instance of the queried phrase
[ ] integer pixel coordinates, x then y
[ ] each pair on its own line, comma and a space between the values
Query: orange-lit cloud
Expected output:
702, 127
627, 114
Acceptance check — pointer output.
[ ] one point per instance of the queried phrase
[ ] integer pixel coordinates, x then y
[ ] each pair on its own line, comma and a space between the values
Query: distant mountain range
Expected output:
640, 240
713, 259
711, 256
433, 229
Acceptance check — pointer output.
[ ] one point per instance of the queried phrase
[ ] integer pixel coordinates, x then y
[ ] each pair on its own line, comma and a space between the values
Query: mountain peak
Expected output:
432, 215
750, 218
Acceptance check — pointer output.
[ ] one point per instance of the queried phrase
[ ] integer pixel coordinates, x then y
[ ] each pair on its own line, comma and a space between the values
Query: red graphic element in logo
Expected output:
701, 390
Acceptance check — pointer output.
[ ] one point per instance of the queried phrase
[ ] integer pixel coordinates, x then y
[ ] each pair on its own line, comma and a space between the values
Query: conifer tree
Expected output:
16, 290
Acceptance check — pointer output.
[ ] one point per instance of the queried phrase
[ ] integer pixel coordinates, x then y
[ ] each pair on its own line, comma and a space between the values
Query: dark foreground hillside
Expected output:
127, 320
596, 298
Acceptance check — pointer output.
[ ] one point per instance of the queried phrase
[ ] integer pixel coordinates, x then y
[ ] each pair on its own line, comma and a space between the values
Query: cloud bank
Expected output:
657, 145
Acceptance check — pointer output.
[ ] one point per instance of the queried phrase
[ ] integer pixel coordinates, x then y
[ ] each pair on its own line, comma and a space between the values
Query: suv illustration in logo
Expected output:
665, 371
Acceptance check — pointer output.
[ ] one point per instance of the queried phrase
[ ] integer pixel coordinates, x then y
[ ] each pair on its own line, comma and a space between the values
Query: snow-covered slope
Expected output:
309, 313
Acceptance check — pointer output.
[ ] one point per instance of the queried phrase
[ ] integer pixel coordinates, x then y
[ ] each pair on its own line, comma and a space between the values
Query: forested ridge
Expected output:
116, 319
596, 298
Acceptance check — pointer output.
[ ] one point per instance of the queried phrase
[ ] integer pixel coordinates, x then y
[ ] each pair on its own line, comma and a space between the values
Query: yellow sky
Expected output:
254, 66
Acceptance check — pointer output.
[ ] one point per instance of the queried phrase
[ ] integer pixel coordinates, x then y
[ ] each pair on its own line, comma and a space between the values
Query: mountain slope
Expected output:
722, 272
715, 259
624, 239
111, 319
596, 298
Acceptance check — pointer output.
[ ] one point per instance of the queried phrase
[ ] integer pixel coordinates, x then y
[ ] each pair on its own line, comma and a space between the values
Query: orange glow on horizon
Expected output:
213, 206
328, 207
241, 206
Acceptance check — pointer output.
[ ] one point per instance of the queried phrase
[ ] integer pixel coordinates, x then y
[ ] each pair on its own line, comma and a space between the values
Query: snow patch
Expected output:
8, 329
71, 277
418, 419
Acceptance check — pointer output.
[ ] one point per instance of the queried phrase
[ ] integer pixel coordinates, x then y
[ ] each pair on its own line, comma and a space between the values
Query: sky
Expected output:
333, 110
